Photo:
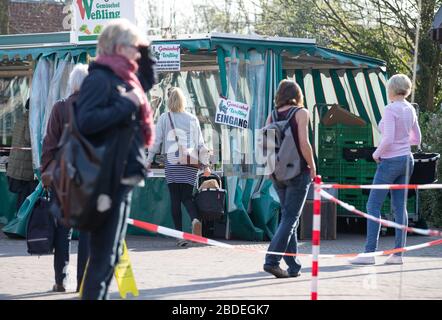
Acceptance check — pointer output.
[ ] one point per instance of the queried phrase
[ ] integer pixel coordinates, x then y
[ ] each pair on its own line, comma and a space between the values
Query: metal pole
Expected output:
316, 237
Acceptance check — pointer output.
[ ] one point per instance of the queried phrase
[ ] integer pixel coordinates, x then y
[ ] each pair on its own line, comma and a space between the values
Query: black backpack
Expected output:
40, 228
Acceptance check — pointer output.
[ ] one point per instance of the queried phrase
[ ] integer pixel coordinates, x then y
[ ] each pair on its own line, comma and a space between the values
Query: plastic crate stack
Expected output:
342, 158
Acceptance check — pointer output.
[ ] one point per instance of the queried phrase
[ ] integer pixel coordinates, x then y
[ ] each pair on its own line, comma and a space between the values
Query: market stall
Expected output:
245, 69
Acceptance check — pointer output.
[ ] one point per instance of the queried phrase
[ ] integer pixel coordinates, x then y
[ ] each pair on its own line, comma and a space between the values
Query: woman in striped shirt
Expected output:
181, 179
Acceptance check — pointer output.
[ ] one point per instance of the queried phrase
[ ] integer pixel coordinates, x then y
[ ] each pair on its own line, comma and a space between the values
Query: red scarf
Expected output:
126, 70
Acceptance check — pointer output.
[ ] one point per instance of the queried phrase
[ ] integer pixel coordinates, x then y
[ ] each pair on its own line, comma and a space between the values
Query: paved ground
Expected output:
163, 271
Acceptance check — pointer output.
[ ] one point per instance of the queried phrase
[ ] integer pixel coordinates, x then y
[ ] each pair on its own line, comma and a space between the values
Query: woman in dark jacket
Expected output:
57, 121
112, 100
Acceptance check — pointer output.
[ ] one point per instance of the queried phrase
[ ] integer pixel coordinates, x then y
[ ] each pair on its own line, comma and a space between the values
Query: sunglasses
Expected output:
133, 46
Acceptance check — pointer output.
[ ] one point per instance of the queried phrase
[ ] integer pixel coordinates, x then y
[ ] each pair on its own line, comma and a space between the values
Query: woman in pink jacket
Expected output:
400, 130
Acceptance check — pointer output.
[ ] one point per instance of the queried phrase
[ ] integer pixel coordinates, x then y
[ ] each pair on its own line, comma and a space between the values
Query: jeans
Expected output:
181, 193
106, 247
292, 196
395, 170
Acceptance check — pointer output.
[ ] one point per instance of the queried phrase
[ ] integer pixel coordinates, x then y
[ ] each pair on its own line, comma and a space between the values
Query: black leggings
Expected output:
181, 193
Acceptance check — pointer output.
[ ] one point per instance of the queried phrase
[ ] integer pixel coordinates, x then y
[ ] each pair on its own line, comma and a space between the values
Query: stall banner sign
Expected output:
232, 113
168, 57
90, 17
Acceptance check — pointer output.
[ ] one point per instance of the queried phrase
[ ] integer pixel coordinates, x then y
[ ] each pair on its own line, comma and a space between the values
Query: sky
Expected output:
184, 9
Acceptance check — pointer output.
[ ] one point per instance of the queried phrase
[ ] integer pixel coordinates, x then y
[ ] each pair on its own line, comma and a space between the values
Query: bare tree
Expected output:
384, 29
4, 16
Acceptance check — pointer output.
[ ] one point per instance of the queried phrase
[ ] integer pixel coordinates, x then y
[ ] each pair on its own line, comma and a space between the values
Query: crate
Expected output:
343, 135
329, 169
351, 180
351, 135
358, 153
330, 177
327, 135
351, 193
368, 169
330, 152
366, 179
358, 202
351, 170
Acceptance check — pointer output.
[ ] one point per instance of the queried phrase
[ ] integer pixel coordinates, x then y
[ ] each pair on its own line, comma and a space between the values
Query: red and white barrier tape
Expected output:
386, 223
383, 186
316, 237
182, 235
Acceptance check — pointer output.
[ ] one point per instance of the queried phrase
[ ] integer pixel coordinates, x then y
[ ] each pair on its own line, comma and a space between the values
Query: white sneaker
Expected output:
362, 260
394, 259
196, 227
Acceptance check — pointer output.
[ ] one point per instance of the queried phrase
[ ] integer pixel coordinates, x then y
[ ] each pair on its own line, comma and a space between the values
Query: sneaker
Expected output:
182, 243
58, 288
276, 271
196, 227
394, 259
295, 275
362, 260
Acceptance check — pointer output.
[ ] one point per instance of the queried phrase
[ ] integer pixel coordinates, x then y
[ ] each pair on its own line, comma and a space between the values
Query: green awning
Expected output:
59, 43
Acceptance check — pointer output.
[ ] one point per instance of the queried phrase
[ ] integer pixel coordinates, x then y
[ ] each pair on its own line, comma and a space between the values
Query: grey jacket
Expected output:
189, 134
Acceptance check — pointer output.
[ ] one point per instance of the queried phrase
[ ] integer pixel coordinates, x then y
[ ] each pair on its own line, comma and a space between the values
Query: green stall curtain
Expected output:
49, 84
17, 227
252, 207
8, 201
151, 203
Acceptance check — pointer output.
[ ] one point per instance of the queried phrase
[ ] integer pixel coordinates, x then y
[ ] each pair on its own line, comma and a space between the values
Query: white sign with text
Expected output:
168, 57
90, 17
232, 113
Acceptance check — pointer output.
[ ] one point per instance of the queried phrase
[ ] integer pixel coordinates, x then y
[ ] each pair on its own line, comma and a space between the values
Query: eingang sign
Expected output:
90, 16
232, 113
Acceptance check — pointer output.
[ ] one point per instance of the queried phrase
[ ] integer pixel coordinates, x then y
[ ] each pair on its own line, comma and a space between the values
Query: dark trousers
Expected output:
62, 250
62, 246
182, 193
106, 246
82, 255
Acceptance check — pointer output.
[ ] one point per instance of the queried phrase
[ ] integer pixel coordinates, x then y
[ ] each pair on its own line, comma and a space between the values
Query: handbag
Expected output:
40, 229
184, 156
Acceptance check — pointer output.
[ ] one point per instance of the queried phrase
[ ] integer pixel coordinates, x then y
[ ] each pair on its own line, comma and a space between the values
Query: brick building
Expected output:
36, 16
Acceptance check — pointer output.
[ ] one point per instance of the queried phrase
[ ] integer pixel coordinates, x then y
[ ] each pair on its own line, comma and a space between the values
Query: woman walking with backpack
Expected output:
289, 102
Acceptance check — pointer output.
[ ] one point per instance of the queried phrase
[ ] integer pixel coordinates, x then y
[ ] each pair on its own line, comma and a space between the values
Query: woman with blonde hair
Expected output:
400, 130
179, 130
113, 107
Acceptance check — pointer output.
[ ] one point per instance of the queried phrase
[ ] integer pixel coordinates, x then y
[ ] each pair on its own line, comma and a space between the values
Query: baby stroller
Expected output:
210, 198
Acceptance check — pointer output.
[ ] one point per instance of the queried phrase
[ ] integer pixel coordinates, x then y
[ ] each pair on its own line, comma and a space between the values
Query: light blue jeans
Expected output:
395, 170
